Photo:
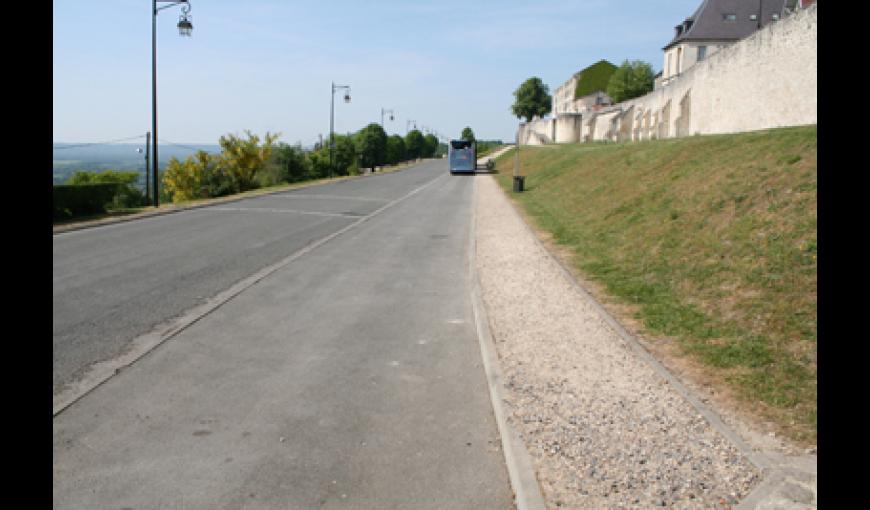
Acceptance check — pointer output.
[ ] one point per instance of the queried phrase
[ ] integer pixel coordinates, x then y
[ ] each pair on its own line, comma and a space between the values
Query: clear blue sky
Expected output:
267, 65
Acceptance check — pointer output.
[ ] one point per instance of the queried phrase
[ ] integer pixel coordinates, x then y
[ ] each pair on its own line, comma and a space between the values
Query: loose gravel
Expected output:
603, 428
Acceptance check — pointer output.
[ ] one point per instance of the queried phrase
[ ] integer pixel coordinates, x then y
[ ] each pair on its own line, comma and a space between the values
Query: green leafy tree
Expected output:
242, 159
430, 145
415, 144
319, 161
395, 149
287, 163
441, 150
345, 158
532, 99
630, 80
372, 146
467, 134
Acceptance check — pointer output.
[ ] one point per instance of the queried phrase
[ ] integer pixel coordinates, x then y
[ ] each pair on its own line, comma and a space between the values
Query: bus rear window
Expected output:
460, 144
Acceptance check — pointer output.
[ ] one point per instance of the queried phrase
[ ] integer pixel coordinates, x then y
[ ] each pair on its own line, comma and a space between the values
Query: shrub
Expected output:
127, 192
72, 200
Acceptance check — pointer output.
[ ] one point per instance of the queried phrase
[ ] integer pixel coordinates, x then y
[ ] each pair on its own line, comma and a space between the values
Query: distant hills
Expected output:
68, 158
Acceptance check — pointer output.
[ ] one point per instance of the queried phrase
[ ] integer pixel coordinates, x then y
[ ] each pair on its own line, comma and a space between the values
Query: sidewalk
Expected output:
605, 424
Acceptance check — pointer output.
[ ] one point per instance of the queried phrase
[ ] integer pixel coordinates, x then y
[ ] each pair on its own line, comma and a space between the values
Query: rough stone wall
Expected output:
569, 128
603, 125
537, 132
764, 81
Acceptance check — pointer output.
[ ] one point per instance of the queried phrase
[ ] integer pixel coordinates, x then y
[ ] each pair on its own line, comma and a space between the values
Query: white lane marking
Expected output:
334, 197
269, 209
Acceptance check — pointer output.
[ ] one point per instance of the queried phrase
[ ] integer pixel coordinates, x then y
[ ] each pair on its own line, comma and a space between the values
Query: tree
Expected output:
396, 152
467, 134
414, 144
532, 99
430, 145
345, 155
630, 80
287, 163
184, 180
319, 159
372, 146
242, 159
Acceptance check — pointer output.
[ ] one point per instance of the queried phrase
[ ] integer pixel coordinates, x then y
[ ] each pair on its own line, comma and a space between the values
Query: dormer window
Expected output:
729, 17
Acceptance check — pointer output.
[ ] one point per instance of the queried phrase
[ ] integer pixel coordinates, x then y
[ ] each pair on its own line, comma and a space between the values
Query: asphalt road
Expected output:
350, 377
114, 283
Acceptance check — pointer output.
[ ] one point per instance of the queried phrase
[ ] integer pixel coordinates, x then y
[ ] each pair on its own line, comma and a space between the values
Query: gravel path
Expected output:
604, 429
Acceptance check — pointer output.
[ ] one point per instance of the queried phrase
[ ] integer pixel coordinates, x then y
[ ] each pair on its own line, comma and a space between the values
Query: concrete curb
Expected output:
527, 491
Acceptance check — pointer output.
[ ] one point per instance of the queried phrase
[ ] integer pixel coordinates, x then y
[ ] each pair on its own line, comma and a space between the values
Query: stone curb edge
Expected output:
527, 491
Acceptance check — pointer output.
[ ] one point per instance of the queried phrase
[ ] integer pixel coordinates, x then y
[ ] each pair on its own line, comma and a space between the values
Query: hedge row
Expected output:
76, 199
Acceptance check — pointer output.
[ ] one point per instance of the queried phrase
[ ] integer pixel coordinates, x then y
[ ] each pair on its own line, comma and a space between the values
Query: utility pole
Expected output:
147, 166
759, 13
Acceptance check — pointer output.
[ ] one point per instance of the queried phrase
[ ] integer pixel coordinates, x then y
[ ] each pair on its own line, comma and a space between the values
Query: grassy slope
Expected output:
711, 238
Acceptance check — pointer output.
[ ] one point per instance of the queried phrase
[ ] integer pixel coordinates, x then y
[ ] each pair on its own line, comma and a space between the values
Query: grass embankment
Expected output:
710, 239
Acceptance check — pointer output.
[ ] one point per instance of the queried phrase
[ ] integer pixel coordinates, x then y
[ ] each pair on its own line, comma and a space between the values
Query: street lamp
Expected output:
184, 28
332, 119
383, 111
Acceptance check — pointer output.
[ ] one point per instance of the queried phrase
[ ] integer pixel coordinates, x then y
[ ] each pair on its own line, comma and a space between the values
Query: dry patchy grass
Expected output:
710, 240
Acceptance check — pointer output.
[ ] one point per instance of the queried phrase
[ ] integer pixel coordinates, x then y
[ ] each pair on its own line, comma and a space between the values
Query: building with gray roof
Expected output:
715, 25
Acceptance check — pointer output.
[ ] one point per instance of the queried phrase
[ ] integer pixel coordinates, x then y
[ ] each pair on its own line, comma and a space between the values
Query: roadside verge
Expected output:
527, 492
604, 425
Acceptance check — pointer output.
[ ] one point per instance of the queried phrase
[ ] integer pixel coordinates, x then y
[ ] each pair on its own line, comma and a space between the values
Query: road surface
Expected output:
350, 377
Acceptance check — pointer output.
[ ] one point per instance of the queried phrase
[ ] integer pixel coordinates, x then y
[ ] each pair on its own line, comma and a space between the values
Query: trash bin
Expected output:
519, 180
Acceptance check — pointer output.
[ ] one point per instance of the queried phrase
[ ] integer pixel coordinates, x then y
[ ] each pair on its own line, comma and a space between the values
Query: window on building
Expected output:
702, 53
729, 17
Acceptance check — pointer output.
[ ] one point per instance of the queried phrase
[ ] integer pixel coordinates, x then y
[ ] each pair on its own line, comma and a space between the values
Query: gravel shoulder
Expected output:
604, 428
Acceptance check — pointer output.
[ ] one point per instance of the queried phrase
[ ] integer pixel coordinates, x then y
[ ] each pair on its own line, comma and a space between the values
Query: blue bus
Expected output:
462, 155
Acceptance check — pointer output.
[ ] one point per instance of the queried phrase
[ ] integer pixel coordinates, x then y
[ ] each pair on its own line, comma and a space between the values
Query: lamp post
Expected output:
184, 28
383, 111
332, 120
